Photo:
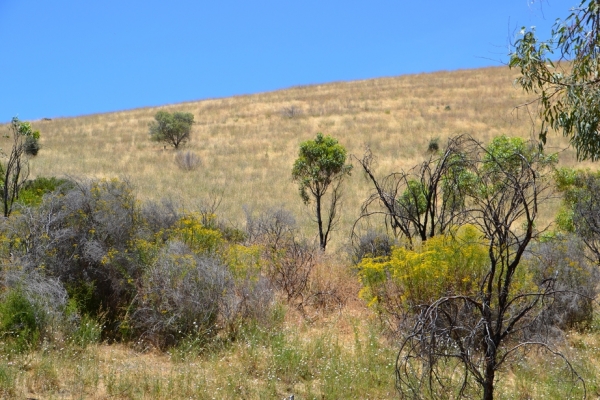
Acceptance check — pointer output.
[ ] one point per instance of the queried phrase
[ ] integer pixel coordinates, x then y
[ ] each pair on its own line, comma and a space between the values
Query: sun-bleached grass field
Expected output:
247, 144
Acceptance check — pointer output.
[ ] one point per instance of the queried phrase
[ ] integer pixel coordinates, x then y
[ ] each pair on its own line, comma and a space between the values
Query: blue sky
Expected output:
71, 57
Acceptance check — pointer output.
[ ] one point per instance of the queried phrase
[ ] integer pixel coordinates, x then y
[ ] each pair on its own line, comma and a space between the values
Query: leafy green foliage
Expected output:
321, 164
18, 320
504, 159
580, 212
414, 199
426, 200
172, 129
33, 190
567, 89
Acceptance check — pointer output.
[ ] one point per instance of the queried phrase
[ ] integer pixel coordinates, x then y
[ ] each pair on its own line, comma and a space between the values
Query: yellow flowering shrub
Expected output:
200, 238
443, 265
244, 261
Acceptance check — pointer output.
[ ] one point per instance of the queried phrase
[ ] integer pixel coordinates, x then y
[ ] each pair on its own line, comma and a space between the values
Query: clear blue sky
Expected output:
75, 57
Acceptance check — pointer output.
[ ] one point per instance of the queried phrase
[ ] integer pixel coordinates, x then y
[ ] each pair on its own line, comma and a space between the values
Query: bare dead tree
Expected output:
459, 342
424, 201
288, 259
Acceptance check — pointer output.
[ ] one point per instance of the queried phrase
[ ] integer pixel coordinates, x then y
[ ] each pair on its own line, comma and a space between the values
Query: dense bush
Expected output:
32, 192
32, 307
371, 244
90, 258
18, 322
571, 302
83, 238
32, 145
179, 295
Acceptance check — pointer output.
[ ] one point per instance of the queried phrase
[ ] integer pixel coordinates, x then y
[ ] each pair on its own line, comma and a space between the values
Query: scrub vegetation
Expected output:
464, 265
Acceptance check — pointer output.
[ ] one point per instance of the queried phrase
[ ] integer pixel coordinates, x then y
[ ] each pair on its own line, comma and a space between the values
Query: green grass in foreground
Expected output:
260, 364
343, 358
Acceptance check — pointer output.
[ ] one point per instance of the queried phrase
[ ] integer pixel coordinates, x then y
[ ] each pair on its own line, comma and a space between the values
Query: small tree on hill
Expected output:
172, 129
16, 170
321, 165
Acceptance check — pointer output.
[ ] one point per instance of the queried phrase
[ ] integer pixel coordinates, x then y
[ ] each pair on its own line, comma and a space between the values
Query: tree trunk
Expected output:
322, 242
489, 374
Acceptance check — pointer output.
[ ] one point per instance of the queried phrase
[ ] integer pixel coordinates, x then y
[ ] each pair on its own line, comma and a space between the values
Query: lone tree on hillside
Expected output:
321, 165
172, 129
567, 89
16, 170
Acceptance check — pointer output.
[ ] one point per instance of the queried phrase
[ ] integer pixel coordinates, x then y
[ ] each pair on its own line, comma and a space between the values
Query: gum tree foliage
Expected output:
172, 129
423, 202
16, 169
319, 171
458, 342
563, 74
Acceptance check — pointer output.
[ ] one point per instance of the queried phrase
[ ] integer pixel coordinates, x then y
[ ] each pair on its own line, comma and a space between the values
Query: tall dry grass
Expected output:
247, 144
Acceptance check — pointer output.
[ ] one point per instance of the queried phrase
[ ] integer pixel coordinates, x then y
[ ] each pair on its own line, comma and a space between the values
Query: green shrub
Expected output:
434, 145
32, 191
18, 320
32, 145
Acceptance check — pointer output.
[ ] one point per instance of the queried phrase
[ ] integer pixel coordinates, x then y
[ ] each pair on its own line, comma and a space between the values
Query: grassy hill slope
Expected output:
247, 144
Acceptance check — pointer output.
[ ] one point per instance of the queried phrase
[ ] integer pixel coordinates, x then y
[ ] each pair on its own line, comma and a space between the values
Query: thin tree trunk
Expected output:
490, 371
322, 242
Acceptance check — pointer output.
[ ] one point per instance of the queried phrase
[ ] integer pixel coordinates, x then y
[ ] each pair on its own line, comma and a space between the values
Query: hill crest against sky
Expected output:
68, 58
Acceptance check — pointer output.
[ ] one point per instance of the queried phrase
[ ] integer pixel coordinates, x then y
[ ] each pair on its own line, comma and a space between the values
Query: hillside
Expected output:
247, 144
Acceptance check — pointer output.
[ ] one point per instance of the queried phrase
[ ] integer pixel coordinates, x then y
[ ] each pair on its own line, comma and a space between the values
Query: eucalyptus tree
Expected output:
173, 129
564, 75
319, 171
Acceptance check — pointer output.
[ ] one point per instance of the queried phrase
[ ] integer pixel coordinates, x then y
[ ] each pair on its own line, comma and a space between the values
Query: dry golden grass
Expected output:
247, 144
